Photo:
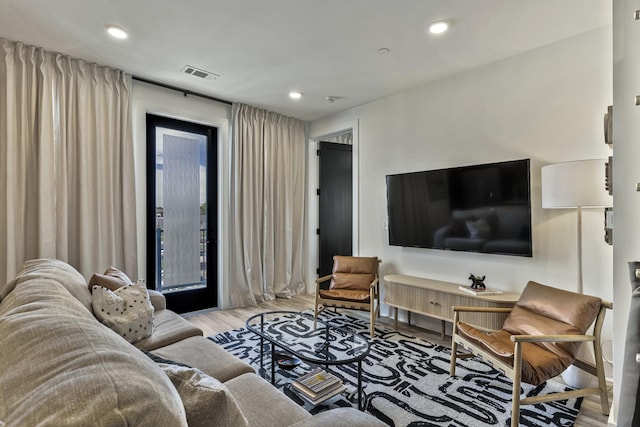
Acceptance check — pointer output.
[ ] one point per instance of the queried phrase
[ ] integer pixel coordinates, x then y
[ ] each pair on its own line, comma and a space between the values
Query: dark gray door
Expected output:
335, 204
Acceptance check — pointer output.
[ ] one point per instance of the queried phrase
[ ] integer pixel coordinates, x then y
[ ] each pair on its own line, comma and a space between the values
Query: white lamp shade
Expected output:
580, 183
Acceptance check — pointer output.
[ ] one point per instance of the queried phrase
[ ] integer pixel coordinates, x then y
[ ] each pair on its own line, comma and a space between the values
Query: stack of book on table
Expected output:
318, 385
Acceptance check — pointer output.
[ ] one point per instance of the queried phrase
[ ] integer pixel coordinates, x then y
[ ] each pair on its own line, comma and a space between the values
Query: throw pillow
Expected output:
127, 310
109, 282
204, 397
479, 229
114, 272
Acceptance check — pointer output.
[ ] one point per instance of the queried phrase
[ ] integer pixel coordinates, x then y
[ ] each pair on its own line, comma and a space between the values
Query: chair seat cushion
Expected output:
538, 363
345, 295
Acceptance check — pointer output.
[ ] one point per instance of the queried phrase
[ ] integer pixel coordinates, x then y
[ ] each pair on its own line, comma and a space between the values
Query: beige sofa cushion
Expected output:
341, 417
169, 328
204, 398
60, 366
202, 353
254, 394
54, 270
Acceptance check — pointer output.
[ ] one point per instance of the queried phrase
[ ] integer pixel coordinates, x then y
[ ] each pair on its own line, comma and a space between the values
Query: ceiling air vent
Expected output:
200, 73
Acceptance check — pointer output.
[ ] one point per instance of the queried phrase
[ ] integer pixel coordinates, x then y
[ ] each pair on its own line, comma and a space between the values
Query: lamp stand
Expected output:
579, 251
574, 376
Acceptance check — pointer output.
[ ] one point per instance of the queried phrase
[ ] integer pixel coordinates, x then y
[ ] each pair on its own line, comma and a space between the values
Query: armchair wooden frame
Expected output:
372, 306
514, 371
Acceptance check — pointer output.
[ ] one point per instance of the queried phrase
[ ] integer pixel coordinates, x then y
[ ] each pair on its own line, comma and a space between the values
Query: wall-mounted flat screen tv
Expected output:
480, 208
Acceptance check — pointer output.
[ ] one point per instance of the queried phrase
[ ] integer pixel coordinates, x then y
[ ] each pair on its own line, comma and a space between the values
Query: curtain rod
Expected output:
184, 91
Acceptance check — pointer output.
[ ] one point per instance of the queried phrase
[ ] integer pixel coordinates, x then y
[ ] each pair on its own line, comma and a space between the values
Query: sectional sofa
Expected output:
60, 365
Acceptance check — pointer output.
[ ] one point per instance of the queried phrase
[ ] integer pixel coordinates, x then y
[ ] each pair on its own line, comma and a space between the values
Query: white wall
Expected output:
152, 99
546, 105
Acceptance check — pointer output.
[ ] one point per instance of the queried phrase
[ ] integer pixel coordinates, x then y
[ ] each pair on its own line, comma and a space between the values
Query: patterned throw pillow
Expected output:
127, 310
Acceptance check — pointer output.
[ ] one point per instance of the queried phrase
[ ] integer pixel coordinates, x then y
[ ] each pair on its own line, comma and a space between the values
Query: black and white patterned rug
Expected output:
406, 382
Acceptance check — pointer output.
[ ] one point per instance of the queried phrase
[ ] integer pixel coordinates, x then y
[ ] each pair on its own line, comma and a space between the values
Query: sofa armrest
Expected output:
340, 417
157, 300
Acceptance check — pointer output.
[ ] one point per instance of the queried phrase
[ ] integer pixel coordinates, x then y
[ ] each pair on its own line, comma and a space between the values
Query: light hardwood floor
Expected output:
217, 321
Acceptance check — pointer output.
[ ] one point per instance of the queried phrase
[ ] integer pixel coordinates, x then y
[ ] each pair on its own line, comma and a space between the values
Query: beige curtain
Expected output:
66, 162
267, 206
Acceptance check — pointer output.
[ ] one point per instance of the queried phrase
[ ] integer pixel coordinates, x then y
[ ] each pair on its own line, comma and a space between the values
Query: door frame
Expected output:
315, 135
189, 300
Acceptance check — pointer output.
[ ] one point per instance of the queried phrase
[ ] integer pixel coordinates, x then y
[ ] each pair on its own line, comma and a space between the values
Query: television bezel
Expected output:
529, 237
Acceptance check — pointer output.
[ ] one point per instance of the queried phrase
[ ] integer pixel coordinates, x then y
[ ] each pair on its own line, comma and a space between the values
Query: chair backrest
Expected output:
353, 273
551, 311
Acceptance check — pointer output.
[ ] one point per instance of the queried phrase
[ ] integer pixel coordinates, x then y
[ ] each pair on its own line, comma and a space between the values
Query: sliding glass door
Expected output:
181, 212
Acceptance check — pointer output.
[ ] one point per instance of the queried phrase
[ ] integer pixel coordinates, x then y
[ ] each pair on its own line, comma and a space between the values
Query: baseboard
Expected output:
613, 412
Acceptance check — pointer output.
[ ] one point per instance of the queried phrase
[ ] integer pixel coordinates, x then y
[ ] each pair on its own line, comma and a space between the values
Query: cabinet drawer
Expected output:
434, 304
418, 300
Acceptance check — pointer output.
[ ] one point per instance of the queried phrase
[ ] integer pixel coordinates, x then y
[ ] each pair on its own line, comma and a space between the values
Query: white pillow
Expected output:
127, 310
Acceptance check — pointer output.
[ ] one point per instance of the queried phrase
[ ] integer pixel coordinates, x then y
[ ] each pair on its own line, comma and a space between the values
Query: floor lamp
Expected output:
578, 184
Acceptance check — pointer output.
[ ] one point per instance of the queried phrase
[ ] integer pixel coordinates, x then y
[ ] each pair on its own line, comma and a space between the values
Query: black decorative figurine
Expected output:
477, 282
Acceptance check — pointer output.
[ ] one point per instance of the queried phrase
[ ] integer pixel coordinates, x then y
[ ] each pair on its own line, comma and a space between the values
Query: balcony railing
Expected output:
160, 263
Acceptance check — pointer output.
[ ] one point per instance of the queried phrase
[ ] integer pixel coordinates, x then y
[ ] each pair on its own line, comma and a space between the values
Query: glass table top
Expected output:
294, 332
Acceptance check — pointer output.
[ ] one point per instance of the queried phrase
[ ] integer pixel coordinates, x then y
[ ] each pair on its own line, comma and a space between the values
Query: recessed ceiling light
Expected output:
295, 95
438, 27
117, 32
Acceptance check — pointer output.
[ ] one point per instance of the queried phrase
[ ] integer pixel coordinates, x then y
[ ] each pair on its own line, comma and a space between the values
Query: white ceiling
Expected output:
262, 49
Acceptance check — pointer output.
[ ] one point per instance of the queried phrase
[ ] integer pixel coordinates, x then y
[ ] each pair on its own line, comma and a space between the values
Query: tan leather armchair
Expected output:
353, 284
539, 340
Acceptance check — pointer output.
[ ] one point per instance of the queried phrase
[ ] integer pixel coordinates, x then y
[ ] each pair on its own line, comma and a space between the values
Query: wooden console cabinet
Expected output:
435, 299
